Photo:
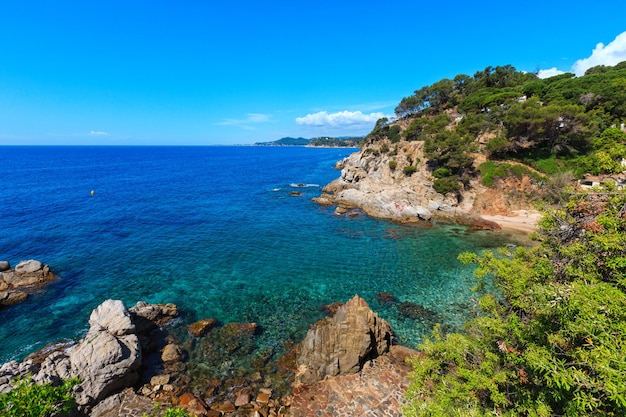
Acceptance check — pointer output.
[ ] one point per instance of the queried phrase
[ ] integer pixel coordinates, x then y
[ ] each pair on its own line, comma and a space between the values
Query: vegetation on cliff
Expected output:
554, 125
555, 343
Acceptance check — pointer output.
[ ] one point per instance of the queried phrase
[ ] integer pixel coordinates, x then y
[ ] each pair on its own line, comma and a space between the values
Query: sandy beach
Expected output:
521, 220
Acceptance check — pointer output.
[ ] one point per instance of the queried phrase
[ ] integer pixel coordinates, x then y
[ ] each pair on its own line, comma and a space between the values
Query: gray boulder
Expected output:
28, 267
4, 266
108, 358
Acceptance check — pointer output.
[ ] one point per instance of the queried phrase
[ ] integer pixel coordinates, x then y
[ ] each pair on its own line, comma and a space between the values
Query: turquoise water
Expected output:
216, 231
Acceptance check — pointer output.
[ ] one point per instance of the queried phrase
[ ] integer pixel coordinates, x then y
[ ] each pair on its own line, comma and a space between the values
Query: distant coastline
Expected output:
319, 142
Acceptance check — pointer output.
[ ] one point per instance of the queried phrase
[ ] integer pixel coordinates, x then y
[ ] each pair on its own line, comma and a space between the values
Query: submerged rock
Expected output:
201, 327
415, 311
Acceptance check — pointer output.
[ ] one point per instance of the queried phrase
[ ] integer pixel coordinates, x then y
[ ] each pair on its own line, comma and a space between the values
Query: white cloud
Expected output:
549, 73
340, 119
250, 118
611, 54
98, 133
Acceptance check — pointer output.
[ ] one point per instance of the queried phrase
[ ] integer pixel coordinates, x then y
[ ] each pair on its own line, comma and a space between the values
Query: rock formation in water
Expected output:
341, 344
15, 284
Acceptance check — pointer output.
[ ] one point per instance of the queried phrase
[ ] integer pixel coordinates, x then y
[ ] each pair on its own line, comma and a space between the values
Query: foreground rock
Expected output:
106, 361
15, 284
343, 343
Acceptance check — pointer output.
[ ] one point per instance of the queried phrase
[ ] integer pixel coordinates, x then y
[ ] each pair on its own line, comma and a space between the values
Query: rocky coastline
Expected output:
129, 363
398, 186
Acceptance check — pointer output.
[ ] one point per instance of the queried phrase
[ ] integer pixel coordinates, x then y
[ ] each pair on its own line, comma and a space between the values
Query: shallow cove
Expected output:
217, 231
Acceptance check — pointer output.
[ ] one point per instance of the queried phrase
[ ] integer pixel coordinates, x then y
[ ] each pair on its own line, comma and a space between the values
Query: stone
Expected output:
113, 317
160, 379
3, 284
148, 317
242, 399
415, 311
28, 267
263, 398
201, 327
9, 298
4, 266
384, 298
172, 353
341, 344
226, 407
109, 357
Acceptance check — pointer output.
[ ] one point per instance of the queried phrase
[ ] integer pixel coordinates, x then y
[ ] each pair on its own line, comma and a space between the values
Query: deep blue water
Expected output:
214, 230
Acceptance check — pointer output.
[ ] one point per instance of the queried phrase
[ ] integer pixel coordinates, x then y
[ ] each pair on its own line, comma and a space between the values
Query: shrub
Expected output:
409, 170
442, 172
28, 399
393, 165
447, 185
394, 134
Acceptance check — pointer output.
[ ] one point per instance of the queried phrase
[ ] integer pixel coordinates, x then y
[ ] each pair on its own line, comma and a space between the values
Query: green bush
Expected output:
447, 185
442, 172
491, 170
409, 170
393, 165
394, 134
28, 399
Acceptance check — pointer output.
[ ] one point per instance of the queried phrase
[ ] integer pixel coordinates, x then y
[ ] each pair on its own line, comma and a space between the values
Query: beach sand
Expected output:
520, 220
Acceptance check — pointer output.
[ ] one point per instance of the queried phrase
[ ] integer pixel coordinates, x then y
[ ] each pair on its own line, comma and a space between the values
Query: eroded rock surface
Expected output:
341, 344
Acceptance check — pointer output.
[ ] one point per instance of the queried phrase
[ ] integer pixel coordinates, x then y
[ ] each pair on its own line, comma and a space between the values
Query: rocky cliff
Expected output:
393, 181
378, 180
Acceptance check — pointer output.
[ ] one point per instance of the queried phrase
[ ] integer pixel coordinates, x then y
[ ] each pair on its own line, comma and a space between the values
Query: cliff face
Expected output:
374, 180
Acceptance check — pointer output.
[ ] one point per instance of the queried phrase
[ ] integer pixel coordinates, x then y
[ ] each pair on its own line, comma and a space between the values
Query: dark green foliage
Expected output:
447, 185
394, 134
554, 125
491, 170
393, 165
28, 399
554, 342
409, 170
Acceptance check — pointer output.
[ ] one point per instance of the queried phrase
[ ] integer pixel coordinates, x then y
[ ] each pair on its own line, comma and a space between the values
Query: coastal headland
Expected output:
398, 186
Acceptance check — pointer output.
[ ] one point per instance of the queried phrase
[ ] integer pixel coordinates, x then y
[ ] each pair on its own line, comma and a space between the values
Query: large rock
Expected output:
109, 356
106, 361
28, 267
14, 283
341, 344
375, 183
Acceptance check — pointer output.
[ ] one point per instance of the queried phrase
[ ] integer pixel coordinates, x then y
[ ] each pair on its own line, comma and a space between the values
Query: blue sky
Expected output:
198, 72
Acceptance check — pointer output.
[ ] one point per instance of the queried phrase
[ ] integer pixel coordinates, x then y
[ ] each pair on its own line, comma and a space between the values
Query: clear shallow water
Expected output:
214, 230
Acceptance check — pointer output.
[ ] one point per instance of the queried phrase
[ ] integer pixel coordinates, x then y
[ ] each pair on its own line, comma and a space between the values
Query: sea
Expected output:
224, 232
